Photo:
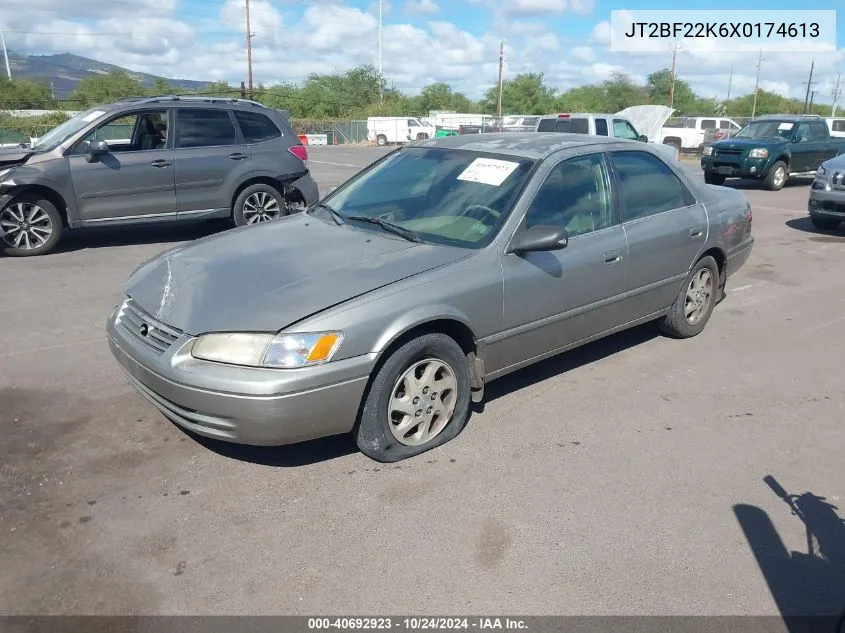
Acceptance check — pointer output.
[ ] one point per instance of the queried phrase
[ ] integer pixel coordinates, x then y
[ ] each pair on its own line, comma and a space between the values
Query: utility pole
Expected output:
812, 97
730, 83
380, 38
809, 85
249, 50
675, 48
757, 84
52, 91
837, 92
501, 83
5, 53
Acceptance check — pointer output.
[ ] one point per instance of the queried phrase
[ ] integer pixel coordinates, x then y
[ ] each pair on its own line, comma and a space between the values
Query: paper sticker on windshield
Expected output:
96, 114
488, 171
785, 126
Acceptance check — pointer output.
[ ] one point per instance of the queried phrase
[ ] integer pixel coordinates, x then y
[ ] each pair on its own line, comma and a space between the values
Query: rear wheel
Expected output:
381, 140
29, 225
713, 179
776, 178
419, 399
694, 305
259, 203
824, 224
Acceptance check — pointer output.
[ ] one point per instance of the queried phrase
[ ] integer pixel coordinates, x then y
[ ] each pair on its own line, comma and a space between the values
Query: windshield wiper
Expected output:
401, 231
337, 217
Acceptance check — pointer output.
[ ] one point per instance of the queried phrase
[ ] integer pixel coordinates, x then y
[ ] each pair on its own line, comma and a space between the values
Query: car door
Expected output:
211, 160
821, 136
804, 149
134, 180
665, 228
553, 299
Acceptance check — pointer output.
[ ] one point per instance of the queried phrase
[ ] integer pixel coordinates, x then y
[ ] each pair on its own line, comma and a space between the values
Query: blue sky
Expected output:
424, 40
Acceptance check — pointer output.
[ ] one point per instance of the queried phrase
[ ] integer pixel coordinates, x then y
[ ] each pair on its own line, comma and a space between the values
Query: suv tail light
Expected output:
300, 151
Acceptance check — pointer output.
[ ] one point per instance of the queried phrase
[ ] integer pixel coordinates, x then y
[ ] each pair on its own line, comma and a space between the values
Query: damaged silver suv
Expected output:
155, 159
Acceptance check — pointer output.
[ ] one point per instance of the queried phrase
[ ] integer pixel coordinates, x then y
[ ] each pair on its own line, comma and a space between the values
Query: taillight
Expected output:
300, 151
748, 215
563, 116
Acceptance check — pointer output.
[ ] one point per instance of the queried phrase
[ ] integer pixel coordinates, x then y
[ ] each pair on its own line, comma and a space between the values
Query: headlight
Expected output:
758, 152
821, 171
707, 151
268, 350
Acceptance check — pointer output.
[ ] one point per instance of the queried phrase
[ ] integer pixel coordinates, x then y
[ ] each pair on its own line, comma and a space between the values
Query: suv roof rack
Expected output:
193, 99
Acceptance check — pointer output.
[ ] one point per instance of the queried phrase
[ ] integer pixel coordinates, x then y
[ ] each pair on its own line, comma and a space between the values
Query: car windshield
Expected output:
444, 196
63, 131
767, 129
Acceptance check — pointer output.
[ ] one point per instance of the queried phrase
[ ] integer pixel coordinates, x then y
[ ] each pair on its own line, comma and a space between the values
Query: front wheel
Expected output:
419, 399
824, 224
713, 179
29, 225
776, 178
259, 203
694, 305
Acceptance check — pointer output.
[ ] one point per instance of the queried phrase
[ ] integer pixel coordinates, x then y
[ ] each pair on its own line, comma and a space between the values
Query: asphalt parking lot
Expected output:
602, 482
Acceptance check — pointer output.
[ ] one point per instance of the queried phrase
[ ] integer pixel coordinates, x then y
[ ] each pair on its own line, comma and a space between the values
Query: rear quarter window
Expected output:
566, 126
256, 127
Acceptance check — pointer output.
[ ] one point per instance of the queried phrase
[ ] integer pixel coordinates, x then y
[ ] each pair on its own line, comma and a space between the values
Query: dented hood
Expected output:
648, 119
266, 277
11, 156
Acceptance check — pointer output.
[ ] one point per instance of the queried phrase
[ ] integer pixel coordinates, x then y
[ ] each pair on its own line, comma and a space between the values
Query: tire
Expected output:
777, 176
30, 225
713, 179
676, 323
259, 203
374, 435
381, 140
824, 224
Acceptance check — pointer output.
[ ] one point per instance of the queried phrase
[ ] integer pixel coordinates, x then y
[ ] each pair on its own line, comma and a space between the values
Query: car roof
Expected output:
531, 145
190, 101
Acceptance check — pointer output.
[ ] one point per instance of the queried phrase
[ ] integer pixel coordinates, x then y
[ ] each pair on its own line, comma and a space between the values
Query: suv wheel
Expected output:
259, 203
29, 225
777, 176
713, 179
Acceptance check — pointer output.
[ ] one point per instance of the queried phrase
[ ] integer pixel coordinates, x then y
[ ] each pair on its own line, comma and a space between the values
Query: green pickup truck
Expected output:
772, 148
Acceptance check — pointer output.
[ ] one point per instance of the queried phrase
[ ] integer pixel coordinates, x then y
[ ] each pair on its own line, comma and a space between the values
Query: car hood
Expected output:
648, 119
264, 278
747, 143
11, 156
837, 163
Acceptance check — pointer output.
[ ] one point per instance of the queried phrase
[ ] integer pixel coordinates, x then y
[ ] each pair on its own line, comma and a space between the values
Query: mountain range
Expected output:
65, 70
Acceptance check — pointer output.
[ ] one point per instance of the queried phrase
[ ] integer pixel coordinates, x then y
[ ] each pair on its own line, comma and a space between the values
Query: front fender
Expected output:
415, 318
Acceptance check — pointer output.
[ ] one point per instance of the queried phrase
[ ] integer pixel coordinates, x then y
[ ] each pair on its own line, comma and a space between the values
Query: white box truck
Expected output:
393, 129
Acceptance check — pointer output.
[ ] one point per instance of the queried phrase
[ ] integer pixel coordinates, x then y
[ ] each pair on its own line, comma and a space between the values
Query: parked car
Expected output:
444, 265
690, 132
611, 125
157, 159
772, 149
827, 195
836, 126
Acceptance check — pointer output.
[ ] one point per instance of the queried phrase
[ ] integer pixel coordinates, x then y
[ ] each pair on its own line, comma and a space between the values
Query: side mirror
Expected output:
97, 148
540, 238
642, 138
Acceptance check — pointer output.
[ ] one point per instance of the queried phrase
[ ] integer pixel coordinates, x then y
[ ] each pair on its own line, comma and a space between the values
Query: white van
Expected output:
393, 129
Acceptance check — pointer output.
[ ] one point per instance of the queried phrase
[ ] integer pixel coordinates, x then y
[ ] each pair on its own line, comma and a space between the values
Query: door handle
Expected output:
613, 257
238, 156
161, 163
696, 232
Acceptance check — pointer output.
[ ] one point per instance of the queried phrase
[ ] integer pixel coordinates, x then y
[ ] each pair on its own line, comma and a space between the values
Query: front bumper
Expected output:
826, 200
244, 405
734, 166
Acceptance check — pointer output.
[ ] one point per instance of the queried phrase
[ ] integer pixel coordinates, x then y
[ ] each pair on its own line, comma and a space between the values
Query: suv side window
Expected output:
601, 127
575, 195
838, 125
708, 124
818, 131
256, 127
134, 132
646, 185
197, 127
623, 129
802, 133
724, 124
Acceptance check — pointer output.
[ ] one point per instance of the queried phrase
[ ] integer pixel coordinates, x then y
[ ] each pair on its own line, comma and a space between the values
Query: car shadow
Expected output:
742, 183
805, 225
568, 361
164, 233
808, 588
289, 456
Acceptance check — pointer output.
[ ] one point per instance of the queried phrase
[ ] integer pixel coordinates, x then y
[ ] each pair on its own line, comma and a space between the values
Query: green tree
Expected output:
439, 96
524, 94
658, 87
100, 89
582, 99
24, 94
621, 92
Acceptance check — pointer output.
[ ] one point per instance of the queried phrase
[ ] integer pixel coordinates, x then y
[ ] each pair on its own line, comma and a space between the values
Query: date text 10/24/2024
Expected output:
417, 623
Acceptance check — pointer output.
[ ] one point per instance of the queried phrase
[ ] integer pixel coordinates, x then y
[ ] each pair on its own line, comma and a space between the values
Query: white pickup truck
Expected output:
689, 132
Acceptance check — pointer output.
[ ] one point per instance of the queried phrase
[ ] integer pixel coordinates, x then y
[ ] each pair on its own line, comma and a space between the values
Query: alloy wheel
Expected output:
699, 292
25, 225
422, 402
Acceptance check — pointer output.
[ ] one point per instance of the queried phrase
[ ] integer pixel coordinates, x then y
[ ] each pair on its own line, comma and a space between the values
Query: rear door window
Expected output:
256, 127
198, 127
601, 127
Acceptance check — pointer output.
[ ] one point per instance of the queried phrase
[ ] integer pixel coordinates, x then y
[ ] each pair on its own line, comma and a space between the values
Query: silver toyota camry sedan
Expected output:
384, 310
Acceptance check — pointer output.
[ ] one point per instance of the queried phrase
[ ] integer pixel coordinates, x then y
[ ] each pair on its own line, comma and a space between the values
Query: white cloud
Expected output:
602, 32
584, 53
414, 7
534, 7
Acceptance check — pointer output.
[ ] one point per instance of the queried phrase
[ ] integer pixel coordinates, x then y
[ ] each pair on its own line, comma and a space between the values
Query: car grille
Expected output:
728, 152
144, 328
